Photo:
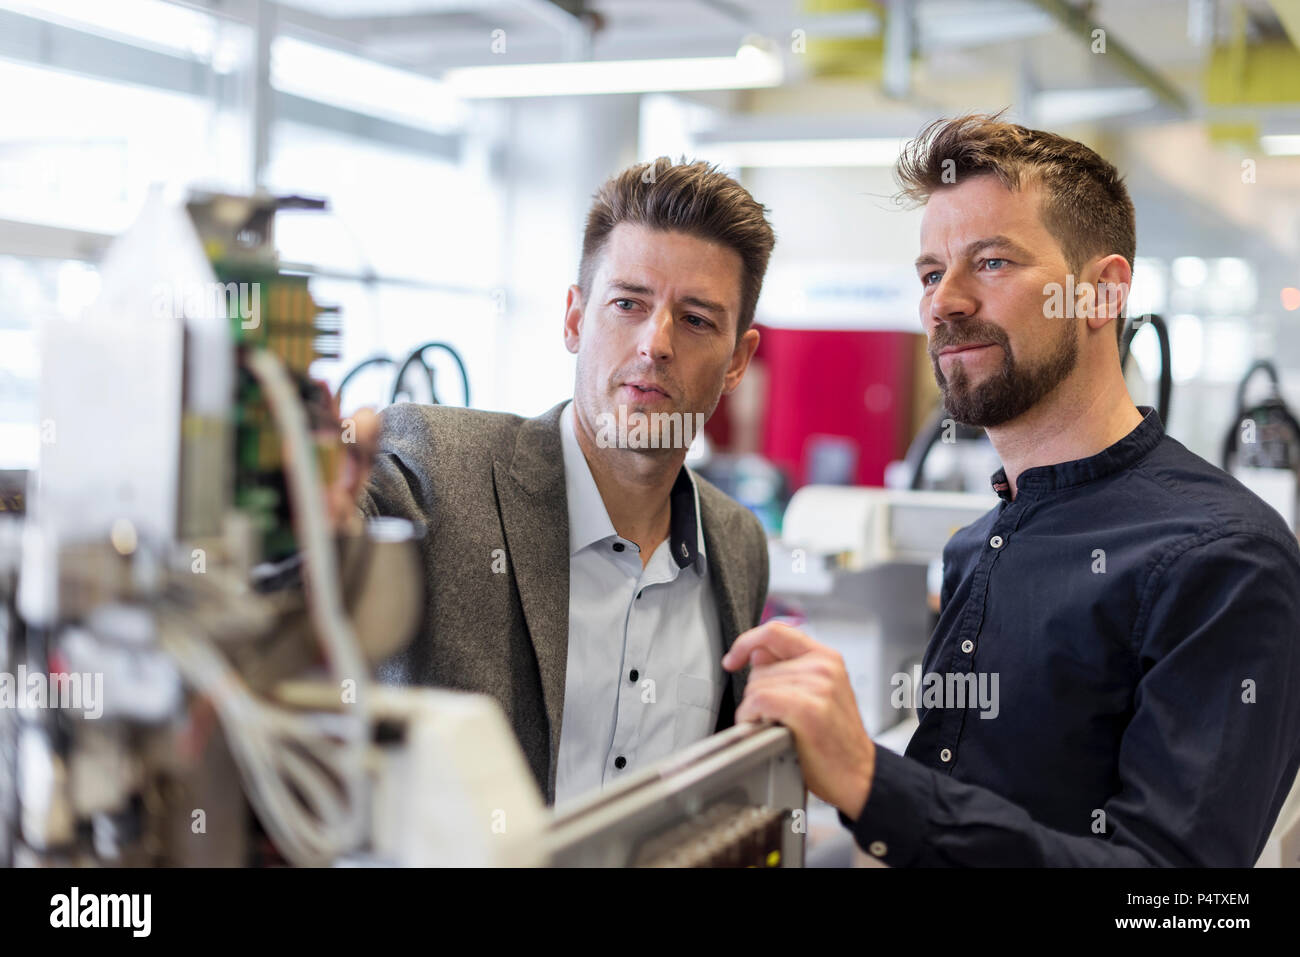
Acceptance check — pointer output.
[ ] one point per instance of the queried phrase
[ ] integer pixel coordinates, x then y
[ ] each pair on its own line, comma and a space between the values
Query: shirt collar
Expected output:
589, 521
1128, 450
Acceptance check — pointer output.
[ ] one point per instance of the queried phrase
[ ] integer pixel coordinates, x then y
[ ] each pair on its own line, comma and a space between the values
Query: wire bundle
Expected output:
304, 772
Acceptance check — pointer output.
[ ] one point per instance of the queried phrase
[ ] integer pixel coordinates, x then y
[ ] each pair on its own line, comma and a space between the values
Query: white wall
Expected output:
557, 153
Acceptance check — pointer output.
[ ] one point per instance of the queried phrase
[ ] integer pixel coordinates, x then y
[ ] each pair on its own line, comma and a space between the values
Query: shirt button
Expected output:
634, 675
620, 762
878, 849
618, 546
996, 541
968, 646
945, 755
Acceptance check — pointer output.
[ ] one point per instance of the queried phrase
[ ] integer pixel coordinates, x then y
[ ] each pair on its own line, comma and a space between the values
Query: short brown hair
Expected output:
1086, 205
693, 198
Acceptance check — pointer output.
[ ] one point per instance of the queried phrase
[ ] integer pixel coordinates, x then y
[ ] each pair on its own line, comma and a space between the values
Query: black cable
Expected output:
417, 355
1260, 365
919, 450
428, 374
1166, 362
930, 433
1272, 407
363, 364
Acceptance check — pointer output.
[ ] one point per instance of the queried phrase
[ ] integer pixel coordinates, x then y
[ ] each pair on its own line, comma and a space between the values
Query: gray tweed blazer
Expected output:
489, 490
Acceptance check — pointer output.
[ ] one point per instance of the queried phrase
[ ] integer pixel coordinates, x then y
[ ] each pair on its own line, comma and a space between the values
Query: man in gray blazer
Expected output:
578, 572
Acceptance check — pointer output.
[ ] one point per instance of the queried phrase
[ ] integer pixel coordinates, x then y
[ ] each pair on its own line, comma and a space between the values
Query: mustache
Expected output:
968, 332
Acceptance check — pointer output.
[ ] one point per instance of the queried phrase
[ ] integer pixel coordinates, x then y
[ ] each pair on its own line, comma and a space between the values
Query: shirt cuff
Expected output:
894, 823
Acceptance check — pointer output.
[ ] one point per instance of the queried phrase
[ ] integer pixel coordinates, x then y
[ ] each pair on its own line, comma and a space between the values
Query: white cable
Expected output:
262, 736
310, 517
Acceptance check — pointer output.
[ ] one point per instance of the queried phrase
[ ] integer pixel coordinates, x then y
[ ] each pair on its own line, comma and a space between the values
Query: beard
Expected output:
1011, 391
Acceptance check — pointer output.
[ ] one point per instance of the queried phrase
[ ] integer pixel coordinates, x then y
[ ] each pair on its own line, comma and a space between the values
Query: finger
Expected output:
808, 664
784, 705
361, 440
365, 431
807, 683
778, 639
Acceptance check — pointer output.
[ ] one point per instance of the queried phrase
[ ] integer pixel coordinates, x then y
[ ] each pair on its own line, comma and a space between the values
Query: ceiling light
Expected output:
340, 79
1285, 145
806, 153
751, 67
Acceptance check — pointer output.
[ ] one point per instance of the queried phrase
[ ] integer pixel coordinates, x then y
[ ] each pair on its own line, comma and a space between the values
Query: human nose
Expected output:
657, 336
952, 298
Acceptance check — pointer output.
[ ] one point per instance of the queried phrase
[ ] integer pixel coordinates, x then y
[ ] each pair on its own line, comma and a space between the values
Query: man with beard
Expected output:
577, 570
1140, 607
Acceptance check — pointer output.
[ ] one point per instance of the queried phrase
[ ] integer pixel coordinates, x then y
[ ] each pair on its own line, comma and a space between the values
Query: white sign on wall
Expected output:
841, 296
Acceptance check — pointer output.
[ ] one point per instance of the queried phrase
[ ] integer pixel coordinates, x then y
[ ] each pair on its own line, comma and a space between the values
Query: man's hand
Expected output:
359, 446
805, 687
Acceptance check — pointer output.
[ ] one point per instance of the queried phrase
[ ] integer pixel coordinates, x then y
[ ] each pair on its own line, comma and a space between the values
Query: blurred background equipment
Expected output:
1262, 448
853, 566
415, 359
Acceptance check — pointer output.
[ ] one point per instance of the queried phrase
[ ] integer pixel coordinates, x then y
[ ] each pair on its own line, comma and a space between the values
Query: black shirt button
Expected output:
620, 762
618, 546
634, 675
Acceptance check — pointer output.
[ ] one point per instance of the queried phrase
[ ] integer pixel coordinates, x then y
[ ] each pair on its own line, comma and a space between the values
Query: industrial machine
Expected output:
855, 565
732, 800
1262, 446
187, 641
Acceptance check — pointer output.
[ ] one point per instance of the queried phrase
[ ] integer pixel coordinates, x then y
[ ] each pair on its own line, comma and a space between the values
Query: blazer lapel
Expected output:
730, 610
534, 513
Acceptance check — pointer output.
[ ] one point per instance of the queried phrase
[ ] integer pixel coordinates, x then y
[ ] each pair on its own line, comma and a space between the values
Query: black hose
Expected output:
363, 364
417, 356
930, 433
1166, 366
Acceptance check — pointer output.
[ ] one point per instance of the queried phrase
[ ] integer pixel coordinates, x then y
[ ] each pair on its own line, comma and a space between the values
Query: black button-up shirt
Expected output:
1140, 610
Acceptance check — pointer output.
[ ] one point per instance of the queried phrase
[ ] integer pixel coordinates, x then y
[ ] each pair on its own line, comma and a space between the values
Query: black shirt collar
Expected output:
683, 528
1043, 478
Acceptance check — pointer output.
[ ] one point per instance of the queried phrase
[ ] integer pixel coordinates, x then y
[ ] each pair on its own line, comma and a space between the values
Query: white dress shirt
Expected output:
644, 674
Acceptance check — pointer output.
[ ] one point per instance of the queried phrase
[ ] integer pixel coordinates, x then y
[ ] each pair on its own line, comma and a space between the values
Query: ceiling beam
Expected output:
1076, 20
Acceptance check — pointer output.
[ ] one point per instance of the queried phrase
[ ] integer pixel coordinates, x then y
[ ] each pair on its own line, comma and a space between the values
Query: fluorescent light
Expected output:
151, 23
751, 67
1286, 145
802, 153
1060, 107
340, 79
